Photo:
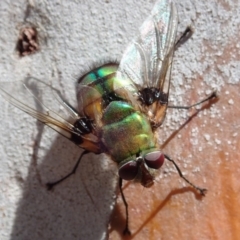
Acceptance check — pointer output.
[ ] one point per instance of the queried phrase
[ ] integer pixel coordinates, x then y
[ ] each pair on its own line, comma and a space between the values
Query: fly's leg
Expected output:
126, 230
184, 37
210, 97
202, 191
51, 185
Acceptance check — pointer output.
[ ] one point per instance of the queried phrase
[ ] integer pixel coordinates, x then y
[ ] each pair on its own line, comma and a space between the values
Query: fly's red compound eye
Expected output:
128, 171
154, 159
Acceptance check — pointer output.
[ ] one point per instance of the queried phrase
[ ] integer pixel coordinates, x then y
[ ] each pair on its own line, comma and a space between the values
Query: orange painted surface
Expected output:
173, 210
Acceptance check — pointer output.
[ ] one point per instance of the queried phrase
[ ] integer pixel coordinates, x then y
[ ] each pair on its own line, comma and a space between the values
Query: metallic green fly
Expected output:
120, 105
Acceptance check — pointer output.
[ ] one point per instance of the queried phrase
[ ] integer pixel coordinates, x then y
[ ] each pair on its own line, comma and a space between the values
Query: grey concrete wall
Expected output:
72, 36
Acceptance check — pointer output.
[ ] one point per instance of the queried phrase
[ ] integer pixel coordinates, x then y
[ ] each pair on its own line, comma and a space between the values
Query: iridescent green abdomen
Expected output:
100, 87
95, 90
125, 132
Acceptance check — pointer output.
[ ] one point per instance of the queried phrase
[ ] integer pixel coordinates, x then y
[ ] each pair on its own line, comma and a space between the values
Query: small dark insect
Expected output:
28, 41
120, 105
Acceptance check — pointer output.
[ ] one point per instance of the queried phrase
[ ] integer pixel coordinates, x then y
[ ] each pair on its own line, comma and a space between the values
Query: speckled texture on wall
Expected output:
74, 35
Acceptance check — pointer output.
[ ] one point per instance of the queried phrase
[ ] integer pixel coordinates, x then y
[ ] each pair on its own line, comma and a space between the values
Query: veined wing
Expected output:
148, 59
33, 96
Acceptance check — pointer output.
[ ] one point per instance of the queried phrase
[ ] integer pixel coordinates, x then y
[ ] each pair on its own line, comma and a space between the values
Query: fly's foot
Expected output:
50, 186
202, 191
126, 231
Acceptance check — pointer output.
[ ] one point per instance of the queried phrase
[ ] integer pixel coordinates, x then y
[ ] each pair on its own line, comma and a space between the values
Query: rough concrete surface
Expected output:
73, 36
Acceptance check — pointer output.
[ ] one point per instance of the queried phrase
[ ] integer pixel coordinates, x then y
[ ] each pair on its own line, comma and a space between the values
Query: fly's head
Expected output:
142, 168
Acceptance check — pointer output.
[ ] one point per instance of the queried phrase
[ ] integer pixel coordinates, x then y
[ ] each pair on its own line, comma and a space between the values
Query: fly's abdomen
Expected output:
125, 131
98, 88
95, 90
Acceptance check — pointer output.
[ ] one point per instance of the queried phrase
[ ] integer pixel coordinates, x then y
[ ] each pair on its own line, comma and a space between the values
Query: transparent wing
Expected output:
34, 96
148, 59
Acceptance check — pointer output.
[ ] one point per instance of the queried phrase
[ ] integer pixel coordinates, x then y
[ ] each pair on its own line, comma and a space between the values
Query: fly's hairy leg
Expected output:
181, 40
51, 185
213, 95
202, 191
184, 37
126, 230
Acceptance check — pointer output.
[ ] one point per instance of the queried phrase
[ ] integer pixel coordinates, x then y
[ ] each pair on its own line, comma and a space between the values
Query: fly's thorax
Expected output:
142, 167
125, 131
